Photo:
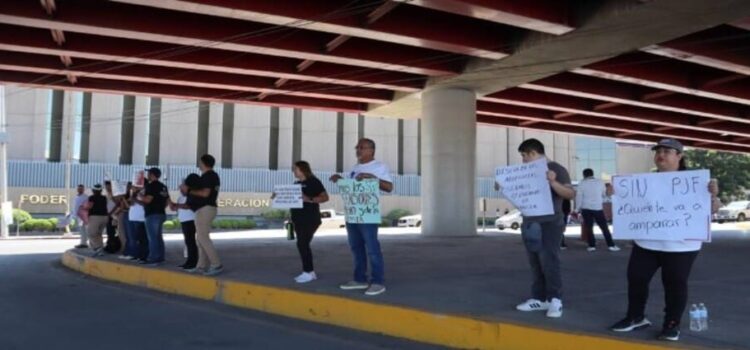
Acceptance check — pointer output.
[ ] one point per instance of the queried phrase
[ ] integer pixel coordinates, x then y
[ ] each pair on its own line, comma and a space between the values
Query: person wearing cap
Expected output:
98, 216
205, 197
154, 202
675, 258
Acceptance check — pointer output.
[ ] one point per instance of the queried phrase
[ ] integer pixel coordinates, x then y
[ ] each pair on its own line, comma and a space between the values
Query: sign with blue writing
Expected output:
527, 187
669, 206
361, 200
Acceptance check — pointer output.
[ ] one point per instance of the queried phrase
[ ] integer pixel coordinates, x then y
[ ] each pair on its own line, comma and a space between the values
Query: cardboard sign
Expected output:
361, 200
139, 178
119, 188
671, 206
287, 197
527, 187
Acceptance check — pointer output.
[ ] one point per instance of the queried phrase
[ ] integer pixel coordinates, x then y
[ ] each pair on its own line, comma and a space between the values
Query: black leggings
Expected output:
675, 270
188, 231
305, 233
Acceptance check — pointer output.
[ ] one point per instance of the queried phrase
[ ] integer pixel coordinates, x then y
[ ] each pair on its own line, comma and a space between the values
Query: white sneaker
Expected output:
614, 248
555, 308
306, 277
124, 257
533, 305
591, 249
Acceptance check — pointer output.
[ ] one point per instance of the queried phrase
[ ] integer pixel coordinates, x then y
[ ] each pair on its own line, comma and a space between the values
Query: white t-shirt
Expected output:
374, 167
80, 200
670, 246
590, 194
137, 213
184, 215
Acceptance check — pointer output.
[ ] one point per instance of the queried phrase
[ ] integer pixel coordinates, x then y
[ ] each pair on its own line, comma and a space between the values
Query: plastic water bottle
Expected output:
703, 316
695, 323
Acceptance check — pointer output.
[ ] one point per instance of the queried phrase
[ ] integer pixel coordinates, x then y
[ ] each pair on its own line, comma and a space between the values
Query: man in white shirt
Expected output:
363, 238
589, 202
81, 199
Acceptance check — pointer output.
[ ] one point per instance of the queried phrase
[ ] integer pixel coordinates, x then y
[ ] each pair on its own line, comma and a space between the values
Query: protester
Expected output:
675, 258
205, 208
81, 220
186, 216
307, 219
137, 218
590, 197
154, 202
363, 238
115, 240
546, 234
97, 221
130, 245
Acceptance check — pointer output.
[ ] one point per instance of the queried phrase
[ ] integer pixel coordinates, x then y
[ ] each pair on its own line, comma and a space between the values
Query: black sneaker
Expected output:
670, 332
81, 246
628, 324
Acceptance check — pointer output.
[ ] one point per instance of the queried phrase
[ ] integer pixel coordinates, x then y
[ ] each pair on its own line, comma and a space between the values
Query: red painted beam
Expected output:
405, 25
570, 105
548, 16
620, 93
660, 73
175, 91
42, 64
156, 25
31, 40
586, 131
724, 47
538, 115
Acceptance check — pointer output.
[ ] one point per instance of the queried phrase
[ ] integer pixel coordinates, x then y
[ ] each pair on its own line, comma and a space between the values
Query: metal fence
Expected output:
52, 175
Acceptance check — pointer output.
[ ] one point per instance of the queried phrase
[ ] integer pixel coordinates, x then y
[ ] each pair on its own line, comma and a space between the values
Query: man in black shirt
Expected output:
154, 204
205, 211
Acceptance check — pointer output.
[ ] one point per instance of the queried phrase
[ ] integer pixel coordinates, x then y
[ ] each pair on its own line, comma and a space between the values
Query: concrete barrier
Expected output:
422, 326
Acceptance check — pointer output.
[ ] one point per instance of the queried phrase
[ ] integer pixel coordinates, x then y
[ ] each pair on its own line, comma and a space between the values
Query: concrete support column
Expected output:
449, 162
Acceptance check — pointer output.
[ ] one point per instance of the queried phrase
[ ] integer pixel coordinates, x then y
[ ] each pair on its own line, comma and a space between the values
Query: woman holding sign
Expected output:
306, 220
675, 258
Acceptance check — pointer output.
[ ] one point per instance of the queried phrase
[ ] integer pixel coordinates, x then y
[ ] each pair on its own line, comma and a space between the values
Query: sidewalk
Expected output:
482, 278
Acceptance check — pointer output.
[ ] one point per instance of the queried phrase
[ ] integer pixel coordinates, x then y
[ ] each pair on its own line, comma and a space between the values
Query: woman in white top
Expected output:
187, 221
137, 218
675, 258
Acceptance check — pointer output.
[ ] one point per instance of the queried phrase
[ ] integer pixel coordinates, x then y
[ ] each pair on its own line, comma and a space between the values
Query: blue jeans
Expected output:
154, 227
363, 240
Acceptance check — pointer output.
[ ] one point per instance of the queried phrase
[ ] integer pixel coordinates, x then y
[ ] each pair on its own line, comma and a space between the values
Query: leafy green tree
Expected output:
732, 170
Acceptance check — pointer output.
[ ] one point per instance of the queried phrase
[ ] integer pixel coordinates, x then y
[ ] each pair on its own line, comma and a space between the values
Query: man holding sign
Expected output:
538, 188
363, 235
666, 237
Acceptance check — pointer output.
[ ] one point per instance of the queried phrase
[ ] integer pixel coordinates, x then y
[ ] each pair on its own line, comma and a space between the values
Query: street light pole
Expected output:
68, 157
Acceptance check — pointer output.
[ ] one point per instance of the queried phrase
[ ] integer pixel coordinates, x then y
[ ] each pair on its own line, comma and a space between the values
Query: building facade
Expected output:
102, 133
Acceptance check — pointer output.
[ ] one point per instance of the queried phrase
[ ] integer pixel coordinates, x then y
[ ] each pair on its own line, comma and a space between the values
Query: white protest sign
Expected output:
287, 197
119, 188
670, 206
139, 178
527, 187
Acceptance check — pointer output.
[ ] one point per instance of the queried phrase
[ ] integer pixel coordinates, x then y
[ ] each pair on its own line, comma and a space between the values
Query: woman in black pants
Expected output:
186, 216
306, 220
675, 258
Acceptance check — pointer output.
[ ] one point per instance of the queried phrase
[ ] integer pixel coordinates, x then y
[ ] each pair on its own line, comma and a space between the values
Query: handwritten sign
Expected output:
119, 188
670, 206
139, 178
287, 197
361, 200
526, 186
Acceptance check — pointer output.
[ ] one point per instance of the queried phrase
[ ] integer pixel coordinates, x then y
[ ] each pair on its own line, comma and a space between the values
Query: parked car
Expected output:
735, 211
511, 220
331, 219
410, 221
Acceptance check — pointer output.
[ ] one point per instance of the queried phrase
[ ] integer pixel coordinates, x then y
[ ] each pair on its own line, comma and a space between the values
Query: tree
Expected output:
732, 170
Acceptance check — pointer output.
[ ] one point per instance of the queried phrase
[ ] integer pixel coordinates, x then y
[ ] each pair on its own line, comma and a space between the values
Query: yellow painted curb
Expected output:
744, 225
422, 326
